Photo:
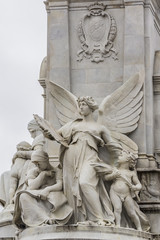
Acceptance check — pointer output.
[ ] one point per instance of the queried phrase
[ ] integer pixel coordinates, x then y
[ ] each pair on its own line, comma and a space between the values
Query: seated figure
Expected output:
7, 192
12, 181
43, 201
18, 171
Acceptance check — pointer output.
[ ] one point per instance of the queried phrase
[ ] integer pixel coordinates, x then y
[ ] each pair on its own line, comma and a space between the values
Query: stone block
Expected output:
82, 233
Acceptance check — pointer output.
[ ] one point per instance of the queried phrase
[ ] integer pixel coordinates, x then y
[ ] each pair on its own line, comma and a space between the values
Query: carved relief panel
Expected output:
150, 191
97, 32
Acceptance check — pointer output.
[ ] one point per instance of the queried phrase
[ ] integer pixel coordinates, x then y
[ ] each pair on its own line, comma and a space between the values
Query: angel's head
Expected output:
87, 105
127, 157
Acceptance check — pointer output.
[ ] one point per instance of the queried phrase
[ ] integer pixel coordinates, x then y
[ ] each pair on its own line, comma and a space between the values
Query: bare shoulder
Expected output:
103, 129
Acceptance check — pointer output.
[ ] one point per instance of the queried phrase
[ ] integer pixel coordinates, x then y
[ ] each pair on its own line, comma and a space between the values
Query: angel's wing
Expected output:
121, 110
65, 103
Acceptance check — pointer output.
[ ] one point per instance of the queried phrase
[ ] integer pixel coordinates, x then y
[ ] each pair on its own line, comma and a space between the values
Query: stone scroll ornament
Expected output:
97, 32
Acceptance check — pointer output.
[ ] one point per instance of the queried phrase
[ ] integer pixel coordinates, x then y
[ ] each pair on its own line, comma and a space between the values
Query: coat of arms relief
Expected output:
97, 32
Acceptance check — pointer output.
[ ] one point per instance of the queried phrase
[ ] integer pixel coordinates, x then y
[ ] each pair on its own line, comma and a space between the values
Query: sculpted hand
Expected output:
43, 194
52, 173
117, 173
134, 188
47, 134
49, 173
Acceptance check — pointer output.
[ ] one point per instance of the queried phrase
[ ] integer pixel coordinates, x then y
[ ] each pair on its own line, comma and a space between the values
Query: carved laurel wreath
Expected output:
97, 50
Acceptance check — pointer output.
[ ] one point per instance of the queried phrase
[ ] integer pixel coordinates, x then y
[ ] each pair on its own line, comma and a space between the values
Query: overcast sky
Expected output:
23, 44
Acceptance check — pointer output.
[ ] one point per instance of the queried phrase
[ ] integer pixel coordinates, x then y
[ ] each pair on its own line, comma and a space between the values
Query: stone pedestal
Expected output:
82, 233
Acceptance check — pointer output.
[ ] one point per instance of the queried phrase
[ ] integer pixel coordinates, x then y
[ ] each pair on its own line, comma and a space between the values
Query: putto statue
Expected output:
124, 188
80, 138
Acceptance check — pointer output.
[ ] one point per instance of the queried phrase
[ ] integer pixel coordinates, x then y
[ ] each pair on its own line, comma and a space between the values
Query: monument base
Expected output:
74, 232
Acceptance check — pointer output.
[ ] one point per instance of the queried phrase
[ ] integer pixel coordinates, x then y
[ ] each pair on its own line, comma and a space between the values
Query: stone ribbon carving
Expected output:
96, 32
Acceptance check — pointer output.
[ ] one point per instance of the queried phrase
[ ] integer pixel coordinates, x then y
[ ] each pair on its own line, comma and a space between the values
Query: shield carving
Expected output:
98, 29
96, 32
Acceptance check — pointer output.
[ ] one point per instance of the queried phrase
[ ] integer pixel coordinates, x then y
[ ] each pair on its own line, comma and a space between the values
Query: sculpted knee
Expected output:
118, 209
23, 197
131, 213
83, 184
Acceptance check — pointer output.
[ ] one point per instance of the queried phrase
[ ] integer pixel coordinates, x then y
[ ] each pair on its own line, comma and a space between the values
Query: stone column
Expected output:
156, 84
134, 61
58, 59
42, 80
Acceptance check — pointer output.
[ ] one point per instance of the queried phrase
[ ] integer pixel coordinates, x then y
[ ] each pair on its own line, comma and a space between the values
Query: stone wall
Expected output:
136, 40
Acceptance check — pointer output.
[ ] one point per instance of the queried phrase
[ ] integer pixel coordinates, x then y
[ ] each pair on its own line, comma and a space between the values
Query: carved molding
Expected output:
97, 32
156, 84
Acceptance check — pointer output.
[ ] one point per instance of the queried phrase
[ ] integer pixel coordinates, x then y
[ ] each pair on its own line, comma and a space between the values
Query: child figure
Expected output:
124, 188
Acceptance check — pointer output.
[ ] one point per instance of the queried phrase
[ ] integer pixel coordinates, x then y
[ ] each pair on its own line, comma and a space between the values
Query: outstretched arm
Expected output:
54, 188
112, 176
137, 185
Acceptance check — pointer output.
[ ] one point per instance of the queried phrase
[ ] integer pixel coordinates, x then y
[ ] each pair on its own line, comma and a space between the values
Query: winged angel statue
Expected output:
81, 138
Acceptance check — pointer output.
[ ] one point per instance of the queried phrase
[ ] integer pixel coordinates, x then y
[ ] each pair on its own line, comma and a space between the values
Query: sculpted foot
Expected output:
49, 222
104, 223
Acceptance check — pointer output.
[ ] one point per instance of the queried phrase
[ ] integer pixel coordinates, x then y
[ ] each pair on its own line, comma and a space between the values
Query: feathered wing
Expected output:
120, 111
65, 103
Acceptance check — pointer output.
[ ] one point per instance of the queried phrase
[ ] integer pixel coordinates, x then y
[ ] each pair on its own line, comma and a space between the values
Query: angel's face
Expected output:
85, 110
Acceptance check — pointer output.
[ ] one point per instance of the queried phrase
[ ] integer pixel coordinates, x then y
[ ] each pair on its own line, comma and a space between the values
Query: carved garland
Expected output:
97, 32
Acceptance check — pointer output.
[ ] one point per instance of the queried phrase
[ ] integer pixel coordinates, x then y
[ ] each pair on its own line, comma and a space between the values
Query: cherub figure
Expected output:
125, 186
43, 201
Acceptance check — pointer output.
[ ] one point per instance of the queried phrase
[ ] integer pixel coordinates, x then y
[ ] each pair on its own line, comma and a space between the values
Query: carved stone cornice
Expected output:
54, 5
42, 82
156, 84
134, 2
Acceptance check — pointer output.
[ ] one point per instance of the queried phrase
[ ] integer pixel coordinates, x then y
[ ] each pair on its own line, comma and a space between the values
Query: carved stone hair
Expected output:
32, 125
39, 156
132, 158
89, 101
24, 146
